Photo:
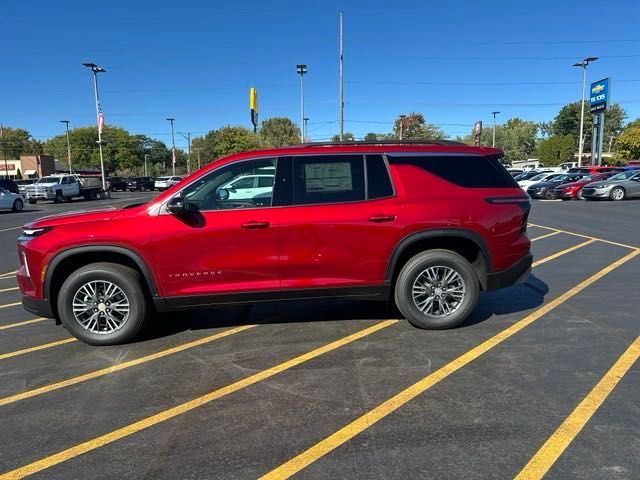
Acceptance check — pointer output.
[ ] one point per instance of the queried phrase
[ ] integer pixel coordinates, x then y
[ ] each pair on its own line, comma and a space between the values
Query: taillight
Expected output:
521, 201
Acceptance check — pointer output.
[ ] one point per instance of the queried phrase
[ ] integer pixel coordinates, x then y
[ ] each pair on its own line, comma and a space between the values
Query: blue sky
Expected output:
195, 60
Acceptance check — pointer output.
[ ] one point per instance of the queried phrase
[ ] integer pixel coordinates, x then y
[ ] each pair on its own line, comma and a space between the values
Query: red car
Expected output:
426, 226
573, 191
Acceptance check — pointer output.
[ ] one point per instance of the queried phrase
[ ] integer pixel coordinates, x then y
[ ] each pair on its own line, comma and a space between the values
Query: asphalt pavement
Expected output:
542, 379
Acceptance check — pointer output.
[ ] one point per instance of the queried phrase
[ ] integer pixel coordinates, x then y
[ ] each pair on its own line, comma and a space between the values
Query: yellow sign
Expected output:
597, 89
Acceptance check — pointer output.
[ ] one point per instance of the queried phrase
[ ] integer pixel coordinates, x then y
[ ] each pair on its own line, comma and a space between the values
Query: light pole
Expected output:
173, 147
302, 70
145, 164
583, 64
306, 119
197, 149
99, 117
494, 128
188, 138
402, 117
66, 122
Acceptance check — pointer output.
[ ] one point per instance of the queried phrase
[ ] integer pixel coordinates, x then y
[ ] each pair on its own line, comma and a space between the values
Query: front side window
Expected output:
328, 179
232, 186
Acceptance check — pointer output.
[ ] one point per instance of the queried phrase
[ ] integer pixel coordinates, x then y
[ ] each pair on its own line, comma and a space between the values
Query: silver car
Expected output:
620, 186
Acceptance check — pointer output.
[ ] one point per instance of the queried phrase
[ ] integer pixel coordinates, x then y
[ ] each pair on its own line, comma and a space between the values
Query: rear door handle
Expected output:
382, 218
255, 225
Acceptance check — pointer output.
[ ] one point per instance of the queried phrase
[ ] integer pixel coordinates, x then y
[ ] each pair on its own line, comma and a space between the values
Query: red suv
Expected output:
426, 226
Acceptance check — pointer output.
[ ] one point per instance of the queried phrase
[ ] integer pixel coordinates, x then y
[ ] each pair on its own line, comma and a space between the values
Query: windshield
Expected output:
48, 180
540, 176
162, 179
622, 176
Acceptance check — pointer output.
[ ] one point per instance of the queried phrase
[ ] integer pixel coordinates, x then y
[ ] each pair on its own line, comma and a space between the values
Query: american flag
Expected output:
100, 120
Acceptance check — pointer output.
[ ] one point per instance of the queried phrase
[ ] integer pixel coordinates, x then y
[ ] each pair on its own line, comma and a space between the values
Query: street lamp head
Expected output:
301, 69
586, 61
89, 65
170, 119
94, 68
590, 59
494, 113
64, 121
402, 116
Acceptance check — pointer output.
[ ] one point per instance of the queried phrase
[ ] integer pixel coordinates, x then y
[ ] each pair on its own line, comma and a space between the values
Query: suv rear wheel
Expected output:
103, 304
436, 289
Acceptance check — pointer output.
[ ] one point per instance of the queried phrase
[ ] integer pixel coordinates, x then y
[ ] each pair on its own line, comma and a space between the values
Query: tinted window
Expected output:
465, 171
378, 181
328, 179
264, 182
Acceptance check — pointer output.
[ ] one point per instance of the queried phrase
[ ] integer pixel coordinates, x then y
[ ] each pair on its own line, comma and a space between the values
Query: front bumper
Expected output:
39, 196
516, 273
42, 308
536, 193
596, 193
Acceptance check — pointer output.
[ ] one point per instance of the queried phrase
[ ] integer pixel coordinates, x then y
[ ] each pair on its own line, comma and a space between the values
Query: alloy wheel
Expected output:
101, 307
438, 291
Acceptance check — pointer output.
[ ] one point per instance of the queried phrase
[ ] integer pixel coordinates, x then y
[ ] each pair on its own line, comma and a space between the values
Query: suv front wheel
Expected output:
103, 304
436, 289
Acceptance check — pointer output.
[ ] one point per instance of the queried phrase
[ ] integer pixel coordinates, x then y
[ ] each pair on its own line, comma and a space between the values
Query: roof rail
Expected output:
378, 142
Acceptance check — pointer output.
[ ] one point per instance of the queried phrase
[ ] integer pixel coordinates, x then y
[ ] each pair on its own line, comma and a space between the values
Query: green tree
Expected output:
628, 143
371, 137
556, 149
516, 137
279, 132
414, 127
18, 141
567, 122
225, 141
346, 137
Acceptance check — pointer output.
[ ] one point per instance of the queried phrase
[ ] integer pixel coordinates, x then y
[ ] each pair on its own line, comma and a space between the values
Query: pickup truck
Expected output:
64, 187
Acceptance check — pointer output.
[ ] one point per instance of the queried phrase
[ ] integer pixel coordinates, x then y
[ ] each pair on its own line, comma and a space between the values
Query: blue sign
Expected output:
599, 95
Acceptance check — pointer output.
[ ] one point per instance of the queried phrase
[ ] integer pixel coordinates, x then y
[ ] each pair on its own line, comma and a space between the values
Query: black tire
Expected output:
125, 278
617, 194
414, 268
18, 205
59, 198
579, 195
32, 201
548, 194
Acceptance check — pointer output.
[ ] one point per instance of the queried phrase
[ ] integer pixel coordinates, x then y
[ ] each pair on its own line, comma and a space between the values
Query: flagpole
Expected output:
4, 147
95, 69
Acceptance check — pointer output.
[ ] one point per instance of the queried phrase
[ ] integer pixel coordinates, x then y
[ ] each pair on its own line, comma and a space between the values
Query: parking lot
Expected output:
542, 379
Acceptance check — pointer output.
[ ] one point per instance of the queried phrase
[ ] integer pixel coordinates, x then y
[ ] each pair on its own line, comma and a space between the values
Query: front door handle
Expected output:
382, 218
255, 225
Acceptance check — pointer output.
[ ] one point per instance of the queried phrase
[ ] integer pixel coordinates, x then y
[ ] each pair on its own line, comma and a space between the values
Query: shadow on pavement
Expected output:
500, 302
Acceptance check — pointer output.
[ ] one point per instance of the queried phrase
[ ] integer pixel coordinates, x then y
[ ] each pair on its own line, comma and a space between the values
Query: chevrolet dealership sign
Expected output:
599, 95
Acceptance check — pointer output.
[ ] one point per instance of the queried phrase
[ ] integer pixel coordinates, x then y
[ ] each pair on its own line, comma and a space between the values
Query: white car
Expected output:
11, 201
541, 177
249, 186
163, 183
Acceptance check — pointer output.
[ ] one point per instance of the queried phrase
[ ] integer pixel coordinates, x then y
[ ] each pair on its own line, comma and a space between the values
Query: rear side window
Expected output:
378, 181
465, 171
328, 179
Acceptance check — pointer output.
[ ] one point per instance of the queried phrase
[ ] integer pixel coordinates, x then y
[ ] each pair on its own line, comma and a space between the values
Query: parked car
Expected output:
116, 183
9, 185
140, 184
64, 187
514, 172
10, 200
545, 189
372, 221
526, 175
570, 191
22, 184
618, 187
163, 183
595, 169
247, 186
540, 177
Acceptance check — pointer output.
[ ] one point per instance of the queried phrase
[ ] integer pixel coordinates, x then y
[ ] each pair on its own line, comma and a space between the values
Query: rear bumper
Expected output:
516, 273
42, 308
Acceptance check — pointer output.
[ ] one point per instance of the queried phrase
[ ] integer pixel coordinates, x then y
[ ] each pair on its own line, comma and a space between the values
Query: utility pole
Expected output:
583, 64
173, 148
494, 128
341, 83
145, 164
66, 122
100, 119
188, 138
402, 117
302, 70
197, 149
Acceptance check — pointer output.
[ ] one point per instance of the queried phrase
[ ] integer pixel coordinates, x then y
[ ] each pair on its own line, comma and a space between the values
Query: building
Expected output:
29, 166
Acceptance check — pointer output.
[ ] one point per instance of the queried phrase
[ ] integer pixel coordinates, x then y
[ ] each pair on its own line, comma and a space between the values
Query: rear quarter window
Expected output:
469, 171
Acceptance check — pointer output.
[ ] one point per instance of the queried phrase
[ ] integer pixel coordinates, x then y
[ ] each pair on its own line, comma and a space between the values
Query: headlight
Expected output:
49, 190
35, 232
604, 185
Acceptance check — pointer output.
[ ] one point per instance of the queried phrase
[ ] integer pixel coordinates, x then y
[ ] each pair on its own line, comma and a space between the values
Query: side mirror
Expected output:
176, 206
223, 194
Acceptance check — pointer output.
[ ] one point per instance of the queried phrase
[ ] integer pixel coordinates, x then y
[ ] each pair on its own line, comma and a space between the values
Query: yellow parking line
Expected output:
26, 322
36, 348
547, 235
557, 443
7, 305
8, 274
562, 252
354, 428
8, 289
69, 453
585, 236
116, 368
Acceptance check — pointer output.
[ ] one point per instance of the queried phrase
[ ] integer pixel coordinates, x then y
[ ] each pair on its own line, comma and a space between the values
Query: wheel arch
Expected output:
465, 242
